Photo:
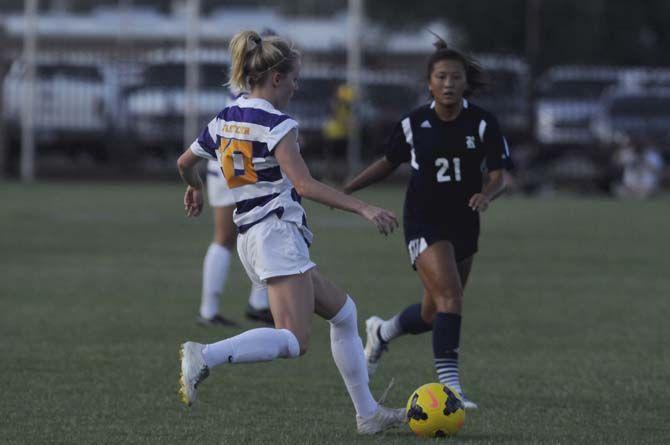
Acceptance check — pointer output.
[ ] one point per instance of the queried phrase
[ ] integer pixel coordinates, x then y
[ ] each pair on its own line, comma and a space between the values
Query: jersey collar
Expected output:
256, 102
465, 103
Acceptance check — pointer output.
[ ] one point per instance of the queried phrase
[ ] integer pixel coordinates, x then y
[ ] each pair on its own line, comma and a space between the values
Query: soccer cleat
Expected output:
217, 320
262, 315
374, 346
193, 371
467, 403
383, 419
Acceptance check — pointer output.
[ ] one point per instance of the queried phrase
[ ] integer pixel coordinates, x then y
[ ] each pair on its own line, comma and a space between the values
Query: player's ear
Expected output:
276, 78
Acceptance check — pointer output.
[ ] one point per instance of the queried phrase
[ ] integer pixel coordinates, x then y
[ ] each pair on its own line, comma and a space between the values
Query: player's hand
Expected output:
193, 201
385, 220
479, 202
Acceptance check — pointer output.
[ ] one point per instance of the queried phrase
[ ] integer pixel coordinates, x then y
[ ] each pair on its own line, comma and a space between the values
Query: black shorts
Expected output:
419, 236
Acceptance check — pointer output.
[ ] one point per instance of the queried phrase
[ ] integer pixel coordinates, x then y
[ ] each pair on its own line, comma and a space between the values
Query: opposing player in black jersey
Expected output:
449, 144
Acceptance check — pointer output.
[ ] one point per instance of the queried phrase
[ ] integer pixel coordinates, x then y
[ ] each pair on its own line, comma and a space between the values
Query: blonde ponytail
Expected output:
254, 57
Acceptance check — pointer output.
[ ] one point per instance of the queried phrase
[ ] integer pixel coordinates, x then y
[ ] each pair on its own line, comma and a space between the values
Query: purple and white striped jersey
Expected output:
242, 137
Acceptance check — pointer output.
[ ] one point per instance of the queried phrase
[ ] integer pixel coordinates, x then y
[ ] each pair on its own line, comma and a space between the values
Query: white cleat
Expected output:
467, 403
383, 419
193, 371
374, 346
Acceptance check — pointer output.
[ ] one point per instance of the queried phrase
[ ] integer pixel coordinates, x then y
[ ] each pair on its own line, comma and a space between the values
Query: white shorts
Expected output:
217, 188
273, 248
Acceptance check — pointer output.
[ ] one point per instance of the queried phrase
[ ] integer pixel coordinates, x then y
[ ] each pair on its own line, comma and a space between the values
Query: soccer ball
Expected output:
435, 410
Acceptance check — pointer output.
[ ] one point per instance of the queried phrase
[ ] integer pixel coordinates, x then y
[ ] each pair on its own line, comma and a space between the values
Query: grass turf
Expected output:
565, 332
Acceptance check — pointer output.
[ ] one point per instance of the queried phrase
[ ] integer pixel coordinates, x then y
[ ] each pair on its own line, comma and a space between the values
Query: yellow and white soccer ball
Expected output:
435, 410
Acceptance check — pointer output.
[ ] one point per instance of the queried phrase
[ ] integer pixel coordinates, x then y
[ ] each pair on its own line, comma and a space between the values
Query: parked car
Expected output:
154, 109
71, 103
640, 113
507, 95
568, 97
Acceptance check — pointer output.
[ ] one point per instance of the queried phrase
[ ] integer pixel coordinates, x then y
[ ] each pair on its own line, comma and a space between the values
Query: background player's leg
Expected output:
216, 266
258, 308
439, 272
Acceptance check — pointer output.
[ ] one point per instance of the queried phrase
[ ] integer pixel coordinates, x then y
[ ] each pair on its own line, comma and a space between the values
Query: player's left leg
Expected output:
339, 309
440, 275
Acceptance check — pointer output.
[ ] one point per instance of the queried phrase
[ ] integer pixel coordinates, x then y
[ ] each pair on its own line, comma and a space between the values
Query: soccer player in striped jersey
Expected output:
448, 144
256, 146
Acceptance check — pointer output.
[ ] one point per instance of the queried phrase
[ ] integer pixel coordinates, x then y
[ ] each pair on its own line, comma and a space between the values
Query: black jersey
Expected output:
447, 160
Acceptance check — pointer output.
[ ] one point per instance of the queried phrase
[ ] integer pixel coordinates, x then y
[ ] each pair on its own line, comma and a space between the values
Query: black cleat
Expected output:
217, 320
261, 315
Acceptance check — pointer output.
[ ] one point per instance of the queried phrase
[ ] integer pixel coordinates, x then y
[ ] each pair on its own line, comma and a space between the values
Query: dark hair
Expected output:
475, 75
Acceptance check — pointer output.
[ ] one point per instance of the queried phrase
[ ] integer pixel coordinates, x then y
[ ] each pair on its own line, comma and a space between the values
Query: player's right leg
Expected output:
339, 309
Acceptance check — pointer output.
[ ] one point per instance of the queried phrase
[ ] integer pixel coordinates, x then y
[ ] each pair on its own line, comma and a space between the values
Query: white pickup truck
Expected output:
70, 101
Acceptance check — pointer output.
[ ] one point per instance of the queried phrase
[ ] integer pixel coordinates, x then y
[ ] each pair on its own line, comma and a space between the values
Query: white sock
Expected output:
258, 297
256, 345
347, 349
447, 372
214, 274
390, 329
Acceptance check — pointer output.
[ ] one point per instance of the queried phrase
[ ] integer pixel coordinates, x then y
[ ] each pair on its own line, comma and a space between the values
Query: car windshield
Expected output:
641, 106
74, 72
576, 88
174, 75
504, 83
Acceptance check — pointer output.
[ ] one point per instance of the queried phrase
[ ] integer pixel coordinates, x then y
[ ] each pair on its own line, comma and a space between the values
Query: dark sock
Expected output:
411, 322
446, 340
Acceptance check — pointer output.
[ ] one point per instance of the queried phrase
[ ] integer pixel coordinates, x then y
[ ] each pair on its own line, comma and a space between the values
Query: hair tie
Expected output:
257, 41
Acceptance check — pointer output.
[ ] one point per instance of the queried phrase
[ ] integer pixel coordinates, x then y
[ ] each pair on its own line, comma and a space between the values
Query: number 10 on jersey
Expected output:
443, 174
236, 162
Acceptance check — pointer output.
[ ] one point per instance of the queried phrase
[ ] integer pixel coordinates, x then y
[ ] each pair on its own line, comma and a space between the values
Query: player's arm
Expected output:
375, 172
497, 161
396, 151
293, 165
508, 180
493, 188
186, 164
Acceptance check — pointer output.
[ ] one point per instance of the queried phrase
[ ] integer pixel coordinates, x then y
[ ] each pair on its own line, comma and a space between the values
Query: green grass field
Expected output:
566, 332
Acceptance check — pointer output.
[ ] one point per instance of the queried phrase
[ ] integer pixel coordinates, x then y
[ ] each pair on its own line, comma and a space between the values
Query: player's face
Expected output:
448, 82
287, 85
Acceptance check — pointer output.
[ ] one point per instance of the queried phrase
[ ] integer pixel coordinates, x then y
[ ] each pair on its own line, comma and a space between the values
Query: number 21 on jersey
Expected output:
443, 174
236, 162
